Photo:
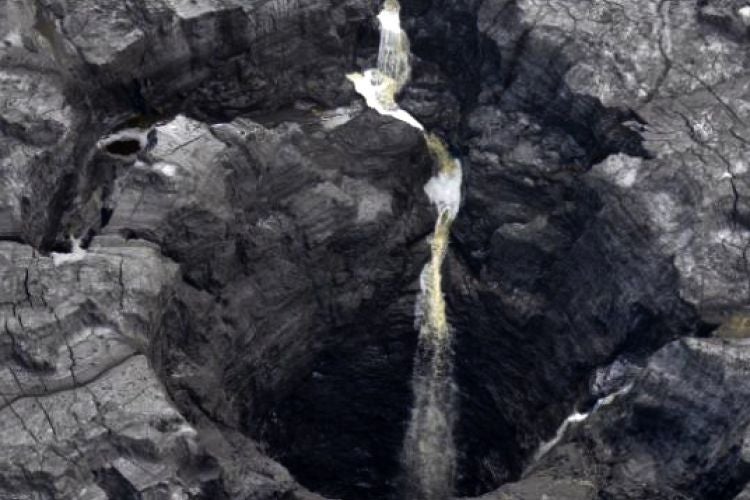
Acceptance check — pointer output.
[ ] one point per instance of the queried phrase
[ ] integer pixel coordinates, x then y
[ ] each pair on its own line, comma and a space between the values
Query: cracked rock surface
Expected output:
210, 249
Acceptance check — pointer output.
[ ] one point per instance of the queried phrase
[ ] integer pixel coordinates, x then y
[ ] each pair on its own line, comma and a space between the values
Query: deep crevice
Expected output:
341, 431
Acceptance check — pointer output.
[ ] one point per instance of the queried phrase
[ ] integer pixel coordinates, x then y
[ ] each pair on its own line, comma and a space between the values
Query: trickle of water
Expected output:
575, 418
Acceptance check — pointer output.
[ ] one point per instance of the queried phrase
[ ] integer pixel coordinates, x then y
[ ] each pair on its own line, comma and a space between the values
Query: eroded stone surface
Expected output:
652, 442
246, 250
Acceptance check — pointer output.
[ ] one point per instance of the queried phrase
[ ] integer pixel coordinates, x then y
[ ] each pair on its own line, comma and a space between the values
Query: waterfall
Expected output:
428, 455
380, 85
393, 53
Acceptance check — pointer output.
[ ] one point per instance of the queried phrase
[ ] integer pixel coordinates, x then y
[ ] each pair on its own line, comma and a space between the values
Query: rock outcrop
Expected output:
212, 262
680, 432
210, 249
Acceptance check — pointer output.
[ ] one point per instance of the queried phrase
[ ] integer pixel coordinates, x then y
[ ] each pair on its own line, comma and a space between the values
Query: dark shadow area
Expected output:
125, 147
340, 432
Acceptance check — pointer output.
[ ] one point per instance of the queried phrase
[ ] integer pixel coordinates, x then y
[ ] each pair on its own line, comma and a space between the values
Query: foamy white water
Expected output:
76, 254
444, 190
378, 94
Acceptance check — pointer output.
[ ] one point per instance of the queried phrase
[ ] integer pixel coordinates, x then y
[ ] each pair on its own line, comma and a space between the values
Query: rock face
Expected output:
680, 432
591, 258
210, 250
83, 414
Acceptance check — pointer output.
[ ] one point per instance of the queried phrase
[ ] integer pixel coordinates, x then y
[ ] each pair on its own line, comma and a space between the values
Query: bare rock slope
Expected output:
210, 249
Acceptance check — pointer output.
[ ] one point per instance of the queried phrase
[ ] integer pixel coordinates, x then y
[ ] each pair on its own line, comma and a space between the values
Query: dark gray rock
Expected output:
249, 238
230, 55
83, 414
603, 207
325, 234
679, 433
210, 250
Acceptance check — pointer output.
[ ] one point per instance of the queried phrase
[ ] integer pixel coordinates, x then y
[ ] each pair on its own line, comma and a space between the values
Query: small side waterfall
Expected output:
429, 455
575, 418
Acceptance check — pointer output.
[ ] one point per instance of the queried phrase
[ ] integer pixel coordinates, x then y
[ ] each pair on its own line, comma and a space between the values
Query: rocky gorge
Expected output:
211, 248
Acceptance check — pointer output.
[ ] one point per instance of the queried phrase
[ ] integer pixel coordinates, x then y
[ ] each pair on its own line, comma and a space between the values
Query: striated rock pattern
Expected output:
667, 438
210, 248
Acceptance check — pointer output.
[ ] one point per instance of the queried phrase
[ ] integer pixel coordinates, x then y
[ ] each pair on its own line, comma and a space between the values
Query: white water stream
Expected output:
574, 418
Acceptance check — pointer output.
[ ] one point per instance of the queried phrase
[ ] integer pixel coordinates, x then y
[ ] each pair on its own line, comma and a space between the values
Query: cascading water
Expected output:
428, 452
393, 53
